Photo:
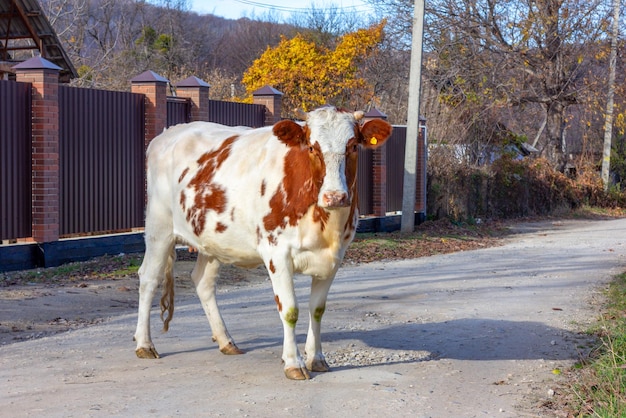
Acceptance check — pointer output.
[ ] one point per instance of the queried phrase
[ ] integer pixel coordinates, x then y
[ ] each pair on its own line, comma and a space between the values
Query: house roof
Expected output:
26, 32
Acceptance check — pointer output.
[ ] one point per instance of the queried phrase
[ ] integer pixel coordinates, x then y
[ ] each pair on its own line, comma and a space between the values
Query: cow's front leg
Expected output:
281, 274
315, 360
204, 276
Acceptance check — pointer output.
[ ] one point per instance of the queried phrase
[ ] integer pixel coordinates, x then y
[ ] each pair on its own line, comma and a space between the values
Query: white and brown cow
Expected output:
284, 196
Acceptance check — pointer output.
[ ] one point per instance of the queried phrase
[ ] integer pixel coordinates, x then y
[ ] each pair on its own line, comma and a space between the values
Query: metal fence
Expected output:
365, 181
178, 110
15, 161
236, 114
101, 167
396, 146
101, 160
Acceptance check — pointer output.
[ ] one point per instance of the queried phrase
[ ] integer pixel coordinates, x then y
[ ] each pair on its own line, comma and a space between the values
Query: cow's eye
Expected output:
310, 149
352, 146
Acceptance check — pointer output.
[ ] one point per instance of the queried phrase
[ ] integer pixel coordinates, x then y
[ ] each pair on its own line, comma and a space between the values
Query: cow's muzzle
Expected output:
335, 200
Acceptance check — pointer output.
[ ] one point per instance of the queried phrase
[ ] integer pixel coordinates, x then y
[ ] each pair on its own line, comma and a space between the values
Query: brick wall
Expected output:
154, 88
198, 91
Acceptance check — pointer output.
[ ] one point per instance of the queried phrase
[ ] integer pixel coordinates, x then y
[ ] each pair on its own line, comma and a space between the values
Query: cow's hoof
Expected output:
143, 352
231, 349
297, 373
318, 365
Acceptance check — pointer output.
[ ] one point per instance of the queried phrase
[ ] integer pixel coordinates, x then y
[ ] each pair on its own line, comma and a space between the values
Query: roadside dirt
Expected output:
42, 302
31, 310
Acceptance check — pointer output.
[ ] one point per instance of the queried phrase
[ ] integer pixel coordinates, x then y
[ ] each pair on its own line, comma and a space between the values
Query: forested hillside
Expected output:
111, 41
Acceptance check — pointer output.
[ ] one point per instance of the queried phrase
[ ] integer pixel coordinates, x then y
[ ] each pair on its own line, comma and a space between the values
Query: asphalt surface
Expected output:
470, 334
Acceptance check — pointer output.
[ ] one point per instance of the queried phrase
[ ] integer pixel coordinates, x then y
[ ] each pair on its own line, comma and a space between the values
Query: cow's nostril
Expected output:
342, 200
335, 199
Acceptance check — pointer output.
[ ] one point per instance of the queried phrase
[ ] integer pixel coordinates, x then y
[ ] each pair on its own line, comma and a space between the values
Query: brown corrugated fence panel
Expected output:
101, 149
15, 161
395, 168
236, 114
178, 110
422, 151
365, 181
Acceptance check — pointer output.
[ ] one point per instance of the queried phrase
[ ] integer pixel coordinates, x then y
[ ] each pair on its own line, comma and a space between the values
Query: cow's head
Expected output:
332, 138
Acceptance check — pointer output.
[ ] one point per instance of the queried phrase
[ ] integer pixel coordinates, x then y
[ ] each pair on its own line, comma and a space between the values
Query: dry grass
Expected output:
596, 386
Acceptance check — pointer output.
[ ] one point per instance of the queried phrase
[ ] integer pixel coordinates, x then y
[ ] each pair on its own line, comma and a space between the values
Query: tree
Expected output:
235, 49
97, 35
504, 54
542, 62
324, 25
111, 41
311, 75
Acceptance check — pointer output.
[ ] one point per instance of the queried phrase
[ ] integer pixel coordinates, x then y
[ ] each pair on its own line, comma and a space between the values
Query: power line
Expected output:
304, 10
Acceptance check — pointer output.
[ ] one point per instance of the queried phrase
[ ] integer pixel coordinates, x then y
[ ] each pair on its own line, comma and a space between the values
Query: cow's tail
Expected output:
167, 298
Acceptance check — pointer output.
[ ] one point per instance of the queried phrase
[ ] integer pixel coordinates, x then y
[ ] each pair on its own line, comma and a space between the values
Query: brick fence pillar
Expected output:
44, 79
198, 91
272, 99
154, 88
379, 170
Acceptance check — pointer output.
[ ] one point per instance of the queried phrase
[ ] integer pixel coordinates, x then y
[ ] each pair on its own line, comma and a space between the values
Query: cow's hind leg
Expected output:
204, 276
315, 360
157, 262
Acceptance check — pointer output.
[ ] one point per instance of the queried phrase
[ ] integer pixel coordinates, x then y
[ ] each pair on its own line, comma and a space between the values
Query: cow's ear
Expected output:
374, 133
289, 132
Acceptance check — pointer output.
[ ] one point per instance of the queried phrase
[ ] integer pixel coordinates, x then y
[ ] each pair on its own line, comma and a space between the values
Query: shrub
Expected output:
510, 188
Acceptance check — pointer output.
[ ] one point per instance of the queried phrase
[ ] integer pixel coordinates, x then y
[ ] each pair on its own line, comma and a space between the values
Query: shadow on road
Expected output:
473, 339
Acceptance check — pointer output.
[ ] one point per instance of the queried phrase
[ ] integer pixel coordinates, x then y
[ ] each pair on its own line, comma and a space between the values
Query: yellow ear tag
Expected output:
373, 140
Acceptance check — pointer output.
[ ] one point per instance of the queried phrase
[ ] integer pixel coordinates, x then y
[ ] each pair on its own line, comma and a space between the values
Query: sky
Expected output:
234, 9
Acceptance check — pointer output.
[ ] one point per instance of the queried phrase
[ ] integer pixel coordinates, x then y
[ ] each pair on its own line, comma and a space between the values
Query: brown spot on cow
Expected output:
352, 155
218, 156
304, 172
274, 219
183, 174
263, 188
320, 215
272, 239
213, 198
272, 267
183, 200
278, 303
208, 195
258, 235
220, 227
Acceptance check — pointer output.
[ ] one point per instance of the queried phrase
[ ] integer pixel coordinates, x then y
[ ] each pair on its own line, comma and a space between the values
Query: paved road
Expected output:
471, 334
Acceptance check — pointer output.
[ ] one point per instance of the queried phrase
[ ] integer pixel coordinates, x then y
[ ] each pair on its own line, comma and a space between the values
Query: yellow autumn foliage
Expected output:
310, 75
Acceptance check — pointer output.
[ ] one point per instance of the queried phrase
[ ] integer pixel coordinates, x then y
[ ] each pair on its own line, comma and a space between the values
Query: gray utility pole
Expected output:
412, 126
608, 118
